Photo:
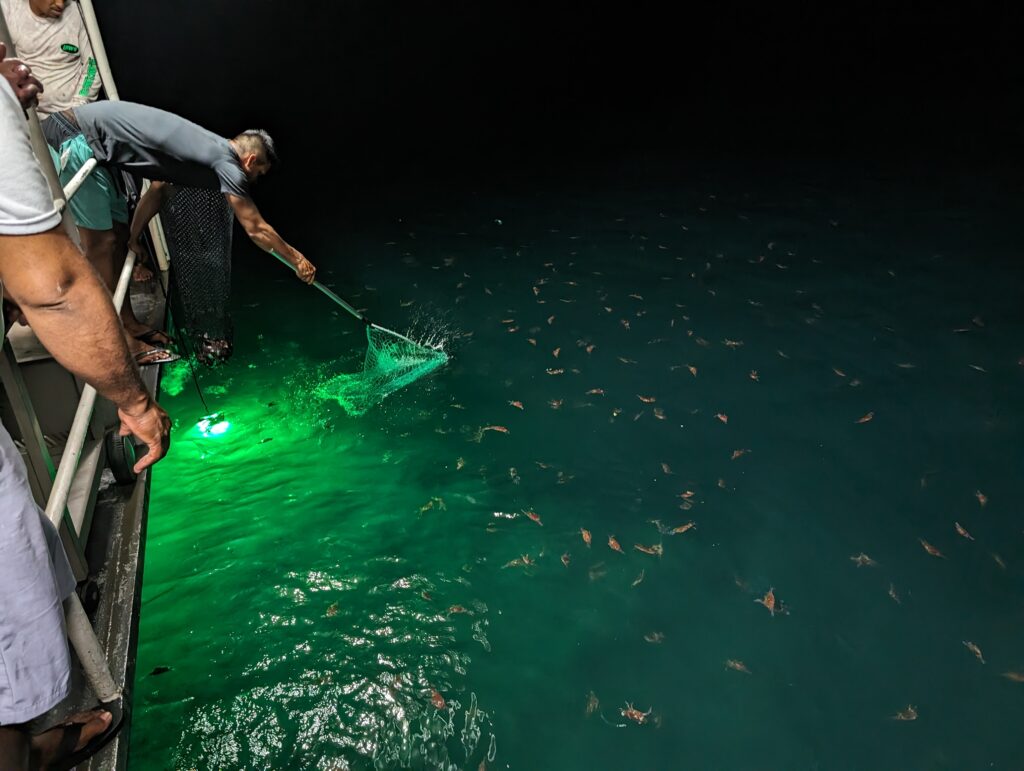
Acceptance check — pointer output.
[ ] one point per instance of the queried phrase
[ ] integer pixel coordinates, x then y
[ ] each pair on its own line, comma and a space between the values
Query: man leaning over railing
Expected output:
72, 314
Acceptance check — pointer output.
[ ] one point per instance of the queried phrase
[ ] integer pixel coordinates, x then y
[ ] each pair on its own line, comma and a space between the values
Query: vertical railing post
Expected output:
92, 27
99, 50
80, 632
57, 503
89, 651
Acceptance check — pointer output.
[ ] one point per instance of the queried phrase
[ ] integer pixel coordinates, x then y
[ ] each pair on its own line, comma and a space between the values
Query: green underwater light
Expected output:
213, 425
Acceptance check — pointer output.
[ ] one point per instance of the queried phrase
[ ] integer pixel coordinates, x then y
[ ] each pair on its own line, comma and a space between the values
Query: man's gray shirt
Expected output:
161, 146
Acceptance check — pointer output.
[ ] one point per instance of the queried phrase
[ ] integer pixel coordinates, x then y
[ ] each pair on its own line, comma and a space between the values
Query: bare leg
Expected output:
111, 247
45, 746
98, 246
131, 323
101, 248
14, 748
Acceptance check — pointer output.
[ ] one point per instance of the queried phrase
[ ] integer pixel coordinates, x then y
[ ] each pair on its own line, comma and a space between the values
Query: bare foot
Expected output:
137, 347
141, 274
46, 749
156, 356
151, 337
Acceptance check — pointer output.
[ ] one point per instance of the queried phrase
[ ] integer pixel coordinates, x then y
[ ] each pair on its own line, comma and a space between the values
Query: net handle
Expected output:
348, 307
327, 292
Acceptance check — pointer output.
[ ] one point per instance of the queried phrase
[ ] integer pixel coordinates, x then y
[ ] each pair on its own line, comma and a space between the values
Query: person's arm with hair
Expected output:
70, 311
266, 238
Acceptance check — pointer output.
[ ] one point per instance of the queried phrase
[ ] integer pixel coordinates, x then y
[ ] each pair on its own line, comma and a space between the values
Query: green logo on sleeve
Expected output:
90, 76
69, 48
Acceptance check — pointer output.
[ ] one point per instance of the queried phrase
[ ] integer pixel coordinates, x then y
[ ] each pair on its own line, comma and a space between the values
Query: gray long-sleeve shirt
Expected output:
162, 146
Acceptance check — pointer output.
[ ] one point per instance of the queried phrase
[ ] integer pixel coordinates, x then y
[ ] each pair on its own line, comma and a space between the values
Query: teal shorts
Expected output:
98, 204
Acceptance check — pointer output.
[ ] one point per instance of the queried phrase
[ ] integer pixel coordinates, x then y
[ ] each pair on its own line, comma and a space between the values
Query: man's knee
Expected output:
14, 747
98, 244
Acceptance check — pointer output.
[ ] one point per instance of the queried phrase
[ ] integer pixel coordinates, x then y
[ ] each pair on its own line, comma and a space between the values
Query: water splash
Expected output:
391, 363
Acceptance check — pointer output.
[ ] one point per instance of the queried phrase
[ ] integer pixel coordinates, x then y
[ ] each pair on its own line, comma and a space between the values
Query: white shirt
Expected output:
26, 206
59, 53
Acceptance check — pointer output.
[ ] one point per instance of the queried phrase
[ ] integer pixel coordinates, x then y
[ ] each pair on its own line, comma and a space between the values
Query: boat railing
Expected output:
80, 631
55, 485
99, 51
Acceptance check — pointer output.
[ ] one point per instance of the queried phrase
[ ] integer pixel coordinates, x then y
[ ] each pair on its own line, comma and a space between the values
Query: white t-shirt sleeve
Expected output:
26, 206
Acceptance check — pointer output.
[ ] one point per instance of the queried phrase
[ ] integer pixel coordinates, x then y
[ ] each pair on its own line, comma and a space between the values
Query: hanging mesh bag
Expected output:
198, 227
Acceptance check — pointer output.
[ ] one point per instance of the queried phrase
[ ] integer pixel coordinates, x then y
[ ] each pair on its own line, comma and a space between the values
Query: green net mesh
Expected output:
392, 362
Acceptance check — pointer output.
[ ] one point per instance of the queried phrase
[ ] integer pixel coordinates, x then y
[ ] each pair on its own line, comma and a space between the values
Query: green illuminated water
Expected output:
302, 568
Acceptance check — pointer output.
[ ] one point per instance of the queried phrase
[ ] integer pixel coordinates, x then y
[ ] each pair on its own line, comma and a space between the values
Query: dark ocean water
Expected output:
808, 370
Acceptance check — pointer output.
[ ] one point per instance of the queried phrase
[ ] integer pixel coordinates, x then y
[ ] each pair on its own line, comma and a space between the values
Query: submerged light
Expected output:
213, 425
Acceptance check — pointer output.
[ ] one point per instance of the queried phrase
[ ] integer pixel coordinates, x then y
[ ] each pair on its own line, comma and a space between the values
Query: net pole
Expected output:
393, 333
327, 292
348, 307
341, 302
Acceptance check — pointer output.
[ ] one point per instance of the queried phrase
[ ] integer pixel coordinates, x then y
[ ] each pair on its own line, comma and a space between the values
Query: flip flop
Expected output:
69, 756
152, 337
166, 357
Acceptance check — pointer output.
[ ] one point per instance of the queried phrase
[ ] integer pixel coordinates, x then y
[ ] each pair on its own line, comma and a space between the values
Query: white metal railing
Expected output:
99, 50
57, 504
80, 631
76, 182
92, 26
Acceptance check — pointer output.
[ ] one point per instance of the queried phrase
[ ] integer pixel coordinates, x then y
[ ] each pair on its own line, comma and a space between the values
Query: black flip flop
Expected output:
72, 757
149, 337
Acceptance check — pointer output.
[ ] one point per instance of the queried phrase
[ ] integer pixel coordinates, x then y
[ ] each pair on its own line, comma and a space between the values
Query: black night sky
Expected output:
384, 93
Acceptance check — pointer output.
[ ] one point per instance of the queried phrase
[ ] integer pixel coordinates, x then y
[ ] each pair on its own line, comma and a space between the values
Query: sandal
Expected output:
155, 337
161, 356
67, 756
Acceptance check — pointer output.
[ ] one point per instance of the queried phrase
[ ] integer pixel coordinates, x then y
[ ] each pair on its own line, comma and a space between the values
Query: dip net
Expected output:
392, 361
198, 226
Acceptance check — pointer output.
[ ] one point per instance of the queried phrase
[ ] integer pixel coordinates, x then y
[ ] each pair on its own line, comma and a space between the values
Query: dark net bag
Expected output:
198, 228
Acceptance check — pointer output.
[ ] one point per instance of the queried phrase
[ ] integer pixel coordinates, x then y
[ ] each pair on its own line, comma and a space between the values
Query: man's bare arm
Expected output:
267, 239
148, 207
70, 311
